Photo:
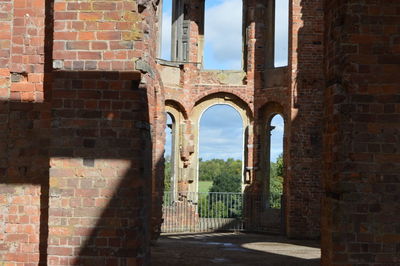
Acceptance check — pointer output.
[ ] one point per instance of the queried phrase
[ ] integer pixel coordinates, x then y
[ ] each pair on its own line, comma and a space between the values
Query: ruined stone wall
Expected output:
295, 92
306, 113
78, 132
82, 125
360, 222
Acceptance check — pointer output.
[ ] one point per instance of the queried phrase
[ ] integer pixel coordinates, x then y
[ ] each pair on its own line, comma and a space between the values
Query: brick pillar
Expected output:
24, 134
100, 169
305, 119
101, 152
362, 134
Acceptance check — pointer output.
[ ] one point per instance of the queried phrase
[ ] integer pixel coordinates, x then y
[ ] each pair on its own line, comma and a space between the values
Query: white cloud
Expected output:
223, 34
221, 133
223, 142
222, 112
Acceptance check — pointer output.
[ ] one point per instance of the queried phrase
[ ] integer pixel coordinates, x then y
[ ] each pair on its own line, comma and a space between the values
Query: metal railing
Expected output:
213, 211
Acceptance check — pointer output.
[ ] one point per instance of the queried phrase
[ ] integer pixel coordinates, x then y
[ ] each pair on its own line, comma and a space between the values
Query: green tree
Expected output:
228, 180
210, 168
167, 173
276, 182
226, 177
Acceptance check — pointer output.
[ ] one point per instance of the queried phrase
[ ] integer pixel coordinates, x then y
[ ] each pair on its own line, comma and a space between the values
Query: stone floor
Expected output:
233, 249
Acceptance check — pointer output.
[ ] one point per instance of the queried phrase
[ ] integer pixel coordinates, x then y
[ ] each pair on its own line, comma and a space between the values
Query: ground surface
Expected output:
233, 249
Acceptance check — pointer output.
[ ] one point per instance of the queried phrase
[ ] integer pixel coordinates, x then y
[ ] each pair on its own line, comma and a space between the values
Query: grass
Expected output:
204, 186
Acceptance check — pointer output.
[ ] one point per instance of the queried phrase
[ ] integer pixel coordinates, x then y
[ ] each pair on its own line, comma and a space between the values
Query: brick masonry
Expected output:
82, 126
63, 190
360, 222
295, 89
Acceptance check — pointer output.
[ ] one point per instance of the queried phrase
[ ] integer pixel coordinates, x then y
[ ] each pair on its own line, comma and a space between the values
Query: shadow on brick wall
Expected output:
24, 170
307, 123
100, 124
302, 105
52, 155
95, 121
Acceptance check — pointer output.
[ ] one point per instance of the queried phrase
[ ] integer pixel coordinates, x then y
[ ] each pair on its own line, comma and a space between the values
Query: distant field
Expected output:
204, 186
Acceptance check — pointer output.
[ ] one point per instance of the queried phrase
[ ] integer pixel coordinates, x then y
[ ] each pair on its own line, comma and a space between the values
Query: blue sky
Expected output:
221, 126
223, 33
221, 134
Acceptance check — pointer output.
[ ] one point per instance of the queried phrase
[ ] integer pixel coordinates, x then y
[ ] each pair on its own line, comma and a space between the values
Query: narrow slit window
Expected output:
169, 179
166, 30
276, 177
281, 33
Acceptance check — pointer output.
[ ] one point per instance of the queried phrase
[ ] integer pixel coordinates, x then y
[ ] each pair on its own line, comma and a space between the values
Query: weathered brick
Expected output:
339, 97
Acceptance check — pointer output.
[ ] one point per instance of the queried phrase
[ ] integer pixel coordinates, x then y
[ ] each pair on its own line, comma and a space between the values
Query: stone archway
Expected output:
202, 106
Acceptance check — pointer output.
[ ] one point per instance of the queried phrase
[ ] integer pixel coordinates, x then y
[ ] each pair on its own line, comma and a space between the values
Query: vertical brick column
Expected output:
27, 48
362, 134
100, 169
24, 132
5, 47
101, 154
305, 121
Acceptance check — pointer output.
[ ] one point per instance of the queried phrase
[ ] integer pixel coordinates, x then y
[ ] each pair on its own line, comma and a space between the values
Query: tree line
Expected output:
226, 176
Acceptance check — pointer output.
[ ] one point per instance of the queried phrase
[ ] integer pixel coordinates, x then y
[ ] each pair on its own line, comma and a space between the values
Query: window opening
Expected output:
220, 150
166, 29
169, 175
281, 33
220, 163
276, 161
223, 34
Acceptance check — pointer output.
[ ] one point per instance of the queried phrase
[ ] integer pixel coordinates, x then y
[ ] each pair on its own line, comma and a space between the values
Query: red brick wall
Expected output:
297, 89
24, 131
99, 176
103, 114
362, 134
98, 125
90, 124
306, 124
97, 35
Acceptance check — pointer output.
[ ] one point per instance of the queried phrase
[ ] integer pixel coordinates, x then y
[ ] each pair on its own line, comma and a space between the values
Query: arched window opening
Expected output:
276, 128
223, 35
169, 154
220, 150
220, 175
281, 31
